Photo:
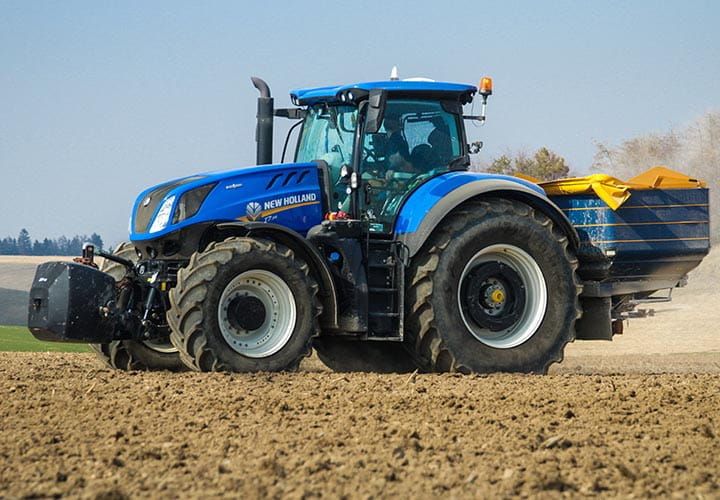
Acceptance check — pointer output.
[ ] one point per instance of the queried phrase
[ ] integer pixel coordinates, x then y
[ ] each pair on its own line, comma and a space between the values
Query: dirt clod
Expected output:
557, 442
224, 467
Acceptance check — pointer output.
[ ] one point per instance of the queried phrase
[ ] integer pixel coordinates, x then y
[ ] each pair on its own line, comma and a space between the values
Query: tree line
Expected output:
24, 245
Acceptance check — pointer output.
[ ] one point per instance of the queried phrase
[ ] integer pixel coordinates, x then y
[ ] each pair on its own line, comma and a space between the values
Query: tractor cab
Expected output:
381, 140
376, 144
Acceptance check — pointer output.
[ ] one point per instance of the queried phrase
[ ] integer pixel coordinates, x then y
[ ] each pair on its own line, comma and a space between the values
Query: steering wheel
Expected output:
370, 153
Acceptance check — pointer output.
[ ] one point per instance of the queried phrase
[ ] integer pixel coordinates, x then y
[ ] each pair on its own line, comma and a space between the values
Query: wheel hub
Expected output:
257, 313
493, 296
246, 313
502, 296
498, 297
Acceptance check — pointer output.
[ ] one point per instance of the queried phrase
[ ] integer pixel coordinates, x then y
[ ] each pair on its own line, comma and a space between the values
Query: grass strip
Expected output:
19, 339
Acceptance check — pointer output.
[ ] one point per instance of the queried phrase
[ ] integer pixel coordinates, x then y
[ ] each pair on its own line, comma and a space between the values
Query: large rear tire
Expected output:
493, 289
347, 355
156, 354
244, 305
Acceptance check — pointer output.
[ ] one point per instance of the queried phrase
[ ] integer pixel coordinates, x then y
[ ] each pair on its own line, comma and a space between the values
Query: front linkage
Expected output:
127, 300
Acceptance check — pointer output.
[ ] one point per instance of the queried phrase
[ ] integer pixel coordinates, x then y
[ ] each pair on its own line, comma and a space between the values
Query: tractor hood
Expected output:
287, 194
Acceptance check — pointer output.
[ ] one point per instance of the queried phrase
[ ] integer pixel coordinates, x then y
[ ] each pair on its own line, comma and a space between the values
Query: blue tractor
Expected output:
376, 246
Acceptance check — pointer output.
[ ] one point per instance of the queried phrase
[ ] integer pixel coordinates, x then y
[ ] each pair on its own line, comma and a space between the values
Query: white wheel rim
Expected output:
536, 296
159, 346
280, 313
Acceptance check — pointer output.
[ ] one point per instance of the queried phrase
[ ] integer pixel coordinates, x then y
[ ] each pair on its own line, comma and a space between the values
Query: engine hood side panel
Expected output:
287, 195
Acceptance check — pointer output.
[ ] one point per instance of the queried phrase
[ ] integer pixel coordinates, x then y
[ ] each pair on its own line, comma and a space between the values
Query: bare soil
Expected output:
636, 417
71, 429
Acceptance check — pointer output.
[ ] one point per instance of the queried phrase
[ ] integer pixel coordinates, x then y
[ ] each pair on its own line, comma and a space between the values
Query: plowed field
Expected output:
639, 416
72, 429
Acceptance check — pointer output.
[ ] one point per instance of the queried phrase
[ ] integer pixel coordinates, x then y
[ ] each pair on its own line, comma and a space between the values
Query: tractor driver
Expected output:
397, 152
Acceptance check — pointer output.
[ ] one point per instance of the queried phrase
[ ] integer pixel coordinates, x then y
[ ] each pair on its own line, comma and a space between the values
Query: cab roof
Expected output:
422, 89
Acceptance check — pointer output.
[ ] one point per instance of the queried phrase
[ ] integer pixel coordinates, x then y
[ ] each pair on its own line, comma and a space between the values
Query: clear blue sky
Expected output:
99, 100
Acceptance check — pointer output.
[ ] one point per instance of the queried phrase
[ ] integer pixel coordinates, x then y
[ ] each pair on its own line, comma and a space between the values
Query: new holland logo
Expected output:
253, 210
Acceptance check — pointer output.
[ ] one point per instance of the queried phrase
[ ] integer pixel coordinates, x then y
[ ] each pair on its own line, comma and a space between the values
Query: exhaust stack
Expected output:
264, 129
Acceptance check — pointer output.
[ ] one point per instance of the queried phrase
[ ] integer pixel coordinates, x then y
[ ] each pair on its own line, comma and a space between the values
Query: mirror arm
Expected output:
291, 113
481, 117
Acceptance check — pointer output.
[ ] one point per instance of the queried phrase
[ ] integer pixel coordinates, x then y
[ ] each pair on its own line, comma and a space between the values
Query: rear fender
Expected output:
297, 244
416, 221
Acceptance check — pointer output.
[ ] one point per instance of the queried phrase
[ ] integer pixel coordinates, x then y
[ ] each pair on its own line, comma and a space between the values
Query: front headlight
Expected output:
163, 215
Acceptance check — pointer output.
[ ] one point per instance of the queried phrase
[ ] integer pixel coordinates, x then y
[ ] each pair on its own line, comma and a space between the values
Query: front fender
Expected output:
428, 205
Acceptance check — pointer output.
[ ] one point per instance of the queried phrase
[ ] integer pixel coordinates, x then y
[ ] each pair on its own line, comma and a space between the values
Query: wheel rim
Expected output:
161, 345
244, 336
508, 287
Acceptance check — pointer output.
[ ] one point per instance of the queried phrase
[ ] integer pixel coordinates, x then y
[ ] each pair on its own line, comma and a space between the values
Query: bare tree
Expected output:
693, 150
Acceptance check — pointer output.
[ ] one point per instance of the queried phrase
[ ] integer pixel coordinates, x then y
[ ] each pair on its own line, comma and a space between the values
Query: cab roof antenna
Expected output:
394, 73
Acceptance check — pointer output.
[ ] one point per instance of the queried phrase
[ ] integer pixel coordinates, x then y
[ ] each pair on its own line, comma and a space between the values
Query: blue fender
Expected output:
428, 205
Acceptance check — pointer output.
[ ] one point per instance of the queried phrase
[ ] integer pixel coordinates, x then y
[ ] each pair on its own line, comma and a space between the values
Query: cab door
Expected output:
418, 140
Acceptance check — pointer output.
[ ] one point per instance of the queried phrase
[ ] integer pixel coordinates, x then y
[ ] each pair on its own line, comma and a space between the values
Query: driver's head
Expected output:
393, 119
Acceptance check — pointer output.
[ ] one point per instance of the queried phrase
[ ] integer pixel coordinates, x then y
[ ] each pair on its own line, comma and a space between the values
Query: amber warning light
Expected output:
486, 86
485, 90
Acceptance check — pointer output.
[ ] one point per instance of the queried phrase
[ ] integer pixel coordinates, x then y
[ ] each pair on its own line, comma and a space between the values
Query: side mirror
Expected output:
376, 110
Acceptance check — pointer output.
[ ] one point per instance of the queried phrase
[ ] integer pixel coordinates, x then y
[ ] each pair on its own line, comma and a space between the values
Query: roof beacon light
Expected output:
486, 86
485, 91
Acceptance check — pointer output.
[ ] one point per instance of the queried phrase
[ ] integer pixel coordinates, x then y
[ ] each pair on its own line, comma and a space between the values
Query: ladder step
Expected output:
383, 314
382, 290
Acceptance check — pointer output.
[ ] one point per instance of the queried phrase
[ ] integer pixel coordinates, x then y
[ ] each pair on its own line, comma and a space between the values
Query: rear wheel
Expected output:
347, 355
493, 289
155, 354
244, 305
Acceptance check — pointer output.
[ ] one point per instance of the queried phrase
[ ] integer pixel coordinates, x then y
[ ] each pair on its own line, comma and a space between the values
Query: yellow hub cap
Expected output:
498, 296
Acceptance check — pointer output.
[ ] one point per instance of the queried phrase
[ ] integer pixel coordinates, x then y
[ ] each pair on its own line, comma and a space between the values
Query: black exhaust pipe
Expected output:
264, 129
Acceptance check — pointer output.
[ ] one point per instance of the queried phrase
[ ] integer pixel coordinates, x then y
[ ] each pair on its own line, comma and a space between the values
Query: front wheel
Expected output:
493, 289
157, 354
244, 305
